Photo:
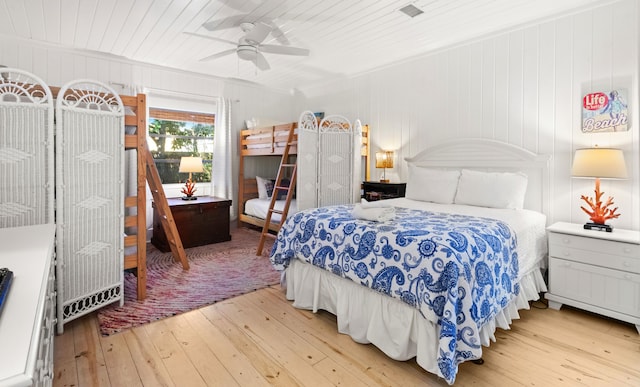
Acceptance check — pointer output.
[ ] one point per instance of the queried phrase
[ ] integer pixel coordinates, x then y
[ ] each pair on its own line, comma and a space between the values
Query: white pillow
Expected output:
492, 189
265, 187
432, 185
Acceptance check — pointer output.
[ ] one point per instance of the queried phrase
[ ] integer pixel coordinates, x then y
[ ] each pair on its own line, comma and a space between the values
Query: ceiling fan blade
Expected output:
225, 23
218, 55
259, 33
277, 33
286, 50
261, 62
210, 38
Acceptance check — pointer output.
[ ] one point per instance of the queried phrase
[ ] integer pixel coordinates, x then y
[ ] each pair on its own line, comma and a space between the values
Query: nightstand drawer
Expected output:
611, 254
613, 290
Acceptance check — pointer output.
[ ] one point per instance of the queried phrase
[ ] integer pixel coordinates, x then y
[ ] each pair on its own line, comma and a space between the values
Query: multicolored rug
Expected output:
218, 271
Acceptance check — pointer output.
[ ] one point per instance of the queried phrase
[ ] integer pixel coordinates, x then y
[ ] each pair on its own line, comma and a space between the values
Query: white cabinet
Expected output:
595, 270
28, 320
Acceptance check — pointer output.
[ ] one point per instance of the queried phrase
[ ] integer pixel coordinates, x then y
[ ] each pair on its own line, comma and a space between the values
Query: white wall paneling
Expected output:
523, 86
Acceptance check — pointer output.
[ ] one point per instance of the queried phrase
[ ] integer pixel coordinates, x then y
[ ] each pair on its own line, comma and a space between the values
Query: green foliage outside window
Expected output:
171, 140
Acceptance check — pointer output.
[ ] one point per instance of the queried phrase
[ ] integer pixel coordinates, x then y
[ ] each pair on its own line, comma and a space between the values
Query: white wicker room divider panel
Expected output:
26, 150
307, 180
89, 198
336, 161
357, 175
328, 161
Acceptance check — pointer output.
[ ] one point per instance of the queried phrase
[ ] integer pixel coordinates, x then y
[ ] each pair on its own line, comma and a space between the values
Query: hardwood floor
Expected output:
259, 339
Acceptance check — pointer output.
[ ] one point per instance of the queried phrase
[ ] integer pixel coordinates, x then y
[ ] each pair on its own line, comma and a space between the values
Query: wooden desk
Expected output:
199, 222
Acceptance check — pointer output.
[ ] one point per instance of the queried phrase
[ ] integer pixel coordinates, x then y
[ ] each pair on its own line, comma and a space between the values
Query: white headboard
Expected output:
491, 155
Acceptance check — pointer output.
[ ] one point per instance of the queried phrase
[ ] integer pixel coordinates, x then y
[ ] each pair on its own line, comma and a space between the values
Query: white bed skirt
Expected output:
397, 329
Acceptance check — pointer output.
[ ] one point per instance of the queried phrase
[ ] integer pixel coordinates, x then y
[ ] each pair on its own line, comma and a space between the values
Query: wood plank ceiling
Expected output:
345, 37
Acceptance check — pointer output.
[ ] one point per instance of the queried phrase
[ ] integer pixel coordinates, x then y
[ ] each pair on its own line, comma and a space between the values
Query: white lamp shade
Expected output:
191, 164
606, 163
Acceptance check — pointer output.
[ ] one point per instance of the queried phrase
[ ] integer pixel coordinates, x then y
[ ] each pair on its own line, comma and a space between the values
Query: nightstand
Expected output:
375, 190
595, 270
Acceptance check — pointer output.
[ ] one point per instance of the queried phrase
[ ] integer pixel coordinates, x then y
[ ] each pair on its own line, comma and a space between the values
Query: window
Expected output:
174, 134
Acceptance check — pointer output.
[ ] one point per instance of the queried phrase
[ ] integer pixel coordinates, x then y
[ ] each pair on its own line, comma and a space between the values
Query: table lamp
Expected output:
384, 160
191, 165
599, 163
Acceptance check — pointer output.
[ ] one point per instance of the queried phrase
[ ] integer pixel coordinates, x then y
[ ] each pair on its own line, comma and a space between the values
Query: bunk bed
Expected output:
265, 142
135, 202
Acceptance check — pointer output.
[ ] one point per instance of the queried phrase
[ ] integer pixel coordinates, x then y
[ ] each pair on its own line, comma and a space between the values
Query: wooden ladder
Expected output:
162, 206
278, 187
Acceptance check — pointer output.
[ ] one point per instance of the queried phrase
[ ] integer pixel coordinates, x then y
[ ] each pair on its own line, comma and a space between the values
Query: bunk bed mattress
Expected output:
278, 144
259, 207
440, 312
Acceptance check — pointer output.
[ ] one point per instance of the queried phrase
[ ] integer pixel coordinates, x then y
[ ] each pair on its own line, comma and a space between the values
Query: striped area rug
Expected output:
218, 271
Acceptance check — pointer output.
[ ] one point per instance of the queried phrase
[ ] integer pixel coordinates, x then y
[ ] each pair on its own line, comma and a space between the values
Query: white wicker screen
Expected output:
26, 150
335, 161
307, 180
90, 198
328, 160
357, 162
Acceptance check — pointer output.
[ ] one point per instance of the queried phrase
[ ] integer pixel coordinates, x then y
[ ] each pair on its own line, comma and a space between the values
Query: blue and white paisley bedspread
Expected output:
457, 270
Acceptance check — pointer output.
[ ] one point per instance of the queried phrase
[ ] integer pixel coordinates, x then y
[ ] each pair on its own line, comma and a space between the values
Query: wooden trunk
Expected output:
199, 222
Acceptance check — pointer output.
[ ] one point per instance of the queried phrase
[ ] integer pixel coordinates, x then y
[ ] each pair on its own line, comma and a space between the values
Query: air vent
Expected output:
411, 10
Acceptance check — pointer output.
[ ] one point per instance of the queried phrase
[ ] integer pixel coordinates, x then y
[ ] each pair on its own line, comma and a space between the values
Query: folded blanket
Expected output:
373, 214
375, 204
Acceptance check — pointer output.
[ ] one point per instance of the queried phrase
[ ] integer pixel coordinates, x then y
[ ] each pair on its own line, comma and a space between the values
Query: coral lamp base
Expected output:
598, 227
189, 198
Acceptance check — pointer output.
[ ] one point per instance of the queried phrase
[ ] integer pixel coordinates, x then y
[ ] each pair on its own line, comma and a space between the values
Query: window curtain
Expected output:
223, 145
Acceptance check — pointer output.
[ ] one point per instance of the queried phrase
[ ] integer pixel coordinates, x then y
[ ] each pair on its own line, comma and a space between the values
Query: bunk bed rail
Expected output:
269, 140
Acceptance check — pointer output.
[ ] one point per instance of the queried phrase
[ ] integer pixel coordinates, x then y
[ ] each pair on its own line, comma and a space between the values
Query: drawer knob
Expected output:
626, 264
627, 250
627, 276
565, 240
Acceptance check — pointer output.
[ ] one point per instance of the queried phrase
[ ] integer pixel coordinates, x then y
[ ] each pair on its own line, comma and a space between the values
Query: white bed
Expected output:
400, 330
529, 225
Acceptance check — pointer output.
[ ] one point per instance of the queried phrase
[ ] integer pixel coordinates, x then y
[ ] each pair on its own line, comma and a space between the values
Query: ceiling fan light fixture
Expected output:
247, 52
411, 10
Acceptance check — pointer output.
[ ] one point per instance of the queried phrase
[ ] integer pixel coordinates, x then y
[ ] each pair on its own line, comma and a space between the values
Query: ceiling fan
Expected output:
250, 46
